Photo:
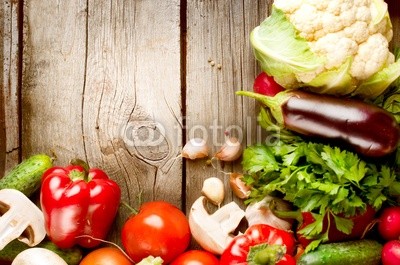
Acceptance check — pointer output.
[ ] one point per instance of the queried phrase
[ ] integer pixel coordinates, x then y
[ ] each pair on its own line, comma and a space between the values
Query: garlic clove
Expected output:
195, 148
239, 188
230, 151
213, 189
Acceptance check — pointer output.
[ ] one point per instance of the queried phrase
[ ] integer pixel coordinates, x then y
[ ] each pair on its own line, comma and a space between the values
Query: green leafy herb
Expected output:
319, 178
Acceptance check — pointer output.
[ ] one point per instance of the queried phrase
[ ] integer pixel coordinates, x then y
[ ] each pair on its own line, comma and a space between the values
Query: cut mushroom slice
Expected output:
214, 232
20, 218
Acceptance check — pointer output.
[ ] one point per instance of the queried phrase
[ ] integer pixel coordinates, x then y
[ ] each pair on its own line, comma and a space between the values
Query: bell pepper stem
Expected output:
83, 164
79, 162
265, 254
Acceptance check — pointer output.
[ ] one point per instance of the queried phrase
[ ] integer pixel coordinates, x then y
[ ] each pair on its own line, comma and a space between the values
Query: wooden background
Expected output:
124, 84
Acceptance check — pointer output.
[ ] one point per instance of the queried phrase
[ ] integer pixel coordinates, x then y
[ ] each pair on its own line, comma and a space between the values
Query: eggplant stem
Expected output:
274, 104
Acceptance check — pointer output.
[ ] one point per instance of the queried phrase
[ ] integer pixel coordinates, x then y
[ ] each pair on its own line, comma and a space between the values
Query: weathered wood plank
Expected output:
219, 62
53, 78
394, 12
9, 79
132, 107
102, 82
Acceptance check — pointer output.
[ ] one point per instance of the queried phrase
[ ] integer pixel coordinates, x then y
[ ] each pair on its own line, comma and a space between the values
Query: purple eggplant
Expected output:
368, 129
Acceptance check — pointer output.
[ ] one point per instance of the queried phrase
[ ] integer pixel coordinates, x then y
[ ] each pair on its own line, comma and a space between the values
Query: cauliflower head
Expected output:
336, 47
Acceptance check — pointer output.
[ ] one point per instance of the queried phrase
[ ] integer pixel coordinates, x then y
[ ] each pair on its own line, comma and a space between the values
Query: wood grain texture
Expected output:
122, 83
101, 81
132, 97
53, 78
9, 79
219, 62
394, 12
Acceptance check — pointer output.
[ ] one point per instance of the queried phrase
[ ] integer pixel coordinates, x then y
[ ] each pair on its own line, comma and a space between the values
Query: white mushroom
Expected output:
38, 256
214, 232
20, 218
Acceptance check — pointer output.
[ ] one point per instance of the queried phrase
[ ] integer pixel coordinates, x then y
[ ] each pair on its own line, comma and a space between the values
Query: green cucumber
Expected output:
27, 175
72, 256
359, 252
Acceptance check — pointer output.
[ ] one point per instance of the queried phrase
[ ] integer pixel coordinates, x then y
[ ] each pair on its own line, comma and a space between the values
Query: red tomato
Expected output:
106, 256
196, 257
159, 229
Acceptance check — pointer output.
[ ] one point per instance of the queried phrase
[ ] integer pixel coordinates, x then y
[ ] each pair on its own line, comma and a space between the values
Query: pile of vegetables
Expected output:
77, 207
329, 98
324, 188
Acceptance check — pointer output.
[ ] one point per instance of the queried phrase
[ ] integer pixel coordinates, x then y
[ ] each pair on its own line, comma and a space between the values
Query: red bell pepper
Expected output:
79, 205
261, 244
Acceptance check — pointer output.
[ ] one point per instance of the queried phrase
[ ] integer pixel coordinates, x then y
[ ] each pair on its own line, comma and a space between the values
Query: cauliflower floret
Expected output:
307, 20
341, 29
366, 63
336, 47
318, 4
288, 6
331, 23
382, 27
363, 14
357, 32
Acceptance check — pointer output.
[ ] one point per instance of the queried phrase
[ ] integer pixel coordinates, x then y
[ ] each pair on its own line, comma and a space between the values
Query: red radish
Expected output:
391, 253
389, 223
266, 85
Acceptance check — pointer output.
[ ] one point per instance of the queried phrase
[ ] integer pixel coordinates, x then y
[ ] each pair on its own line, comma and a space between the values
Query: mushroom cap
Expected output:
213, 232
38, 256
20, 218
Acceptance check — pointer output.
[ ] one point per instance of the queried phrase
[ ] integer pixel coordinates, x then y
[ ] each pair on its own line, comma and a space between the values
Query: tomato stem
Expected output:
133, 210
